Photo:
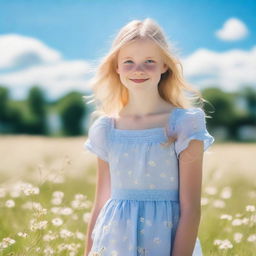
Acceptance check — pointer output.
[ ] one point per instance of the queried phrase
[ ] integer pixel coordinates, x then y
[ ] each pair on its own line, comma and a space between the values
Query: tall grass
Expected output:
47, 190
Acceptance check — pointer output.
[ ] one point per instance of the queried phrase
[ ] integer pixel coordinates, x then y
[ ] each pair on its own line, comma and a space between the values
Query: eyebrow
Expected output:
131, 57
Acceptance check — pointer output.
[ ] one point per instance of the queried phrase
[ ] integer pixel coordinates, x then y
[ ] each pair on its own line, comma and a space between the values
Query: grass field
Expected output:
47, 191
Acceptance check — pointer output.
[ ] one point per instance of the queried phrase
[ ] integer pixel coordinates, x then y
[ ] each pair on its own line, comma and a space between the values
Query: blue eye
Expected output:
151, 60
127, 61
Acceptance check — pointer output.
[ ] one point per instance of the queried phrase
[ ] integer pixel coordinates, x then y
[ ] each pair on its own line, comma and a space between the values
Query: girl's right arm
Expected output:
103, 191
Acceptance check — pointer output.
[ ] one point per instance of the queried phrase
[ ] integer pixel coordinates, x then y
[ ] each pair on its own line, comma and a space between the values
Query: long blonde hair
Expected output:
110, 95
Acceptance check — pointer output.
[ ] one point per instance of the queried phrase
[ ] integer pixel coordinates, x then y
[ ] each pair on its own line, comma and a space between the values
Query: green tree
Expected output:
4, 97
224, 110
37, 118
72, 110
249, 94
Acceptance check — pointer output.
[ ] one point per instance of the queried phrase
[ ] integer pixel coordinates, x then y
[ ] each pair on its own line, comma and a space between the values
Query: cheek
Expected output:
150, 68
128, 68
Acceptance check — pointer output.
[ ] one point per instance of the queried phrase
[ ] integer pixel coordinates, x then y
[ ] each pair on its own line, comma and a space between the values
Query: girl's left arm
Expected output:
190, 168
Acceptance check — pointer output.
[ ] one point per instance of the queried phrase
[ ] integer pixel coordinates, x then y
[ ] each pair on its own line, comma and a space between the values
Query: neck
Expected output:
143, 105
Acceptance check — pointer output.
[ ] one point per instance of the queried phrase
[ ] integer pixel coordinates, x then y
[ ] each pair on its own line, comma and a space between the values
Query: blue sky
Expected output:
74, 33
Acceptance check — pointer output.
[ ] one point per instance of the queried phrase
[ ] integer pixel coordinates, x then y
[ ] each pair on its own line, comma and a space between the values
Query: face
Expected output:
140, 64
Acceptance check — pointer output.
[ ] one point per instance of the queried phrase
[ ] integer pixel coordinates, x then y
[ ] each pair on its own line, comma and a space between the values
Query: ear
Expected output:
164, 69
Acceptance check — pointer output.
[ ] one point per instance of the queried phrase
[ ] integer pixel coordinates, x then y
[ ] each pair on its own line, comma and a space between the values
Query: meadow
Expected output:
47, 192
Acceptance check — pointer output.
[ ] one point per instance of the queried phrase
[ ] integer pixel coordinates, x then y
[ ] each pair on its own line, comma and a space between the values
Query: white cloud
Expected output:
56, 79
30, 62
57, 76
233, 29
18, 51
229, 69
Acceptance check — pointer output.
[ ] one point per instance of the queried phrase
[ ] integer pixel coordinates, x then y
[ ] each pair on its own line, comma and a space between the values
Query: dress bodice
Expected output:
139, 159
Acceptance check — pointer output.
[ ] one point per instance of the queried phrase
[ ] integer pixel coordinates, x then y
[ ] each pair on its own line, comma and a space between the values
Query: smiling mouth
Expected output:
139, 80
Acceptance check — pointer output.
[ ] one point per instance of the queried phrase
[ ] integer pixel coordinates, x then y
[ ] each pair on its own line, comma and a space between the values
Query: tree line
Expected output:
30, 116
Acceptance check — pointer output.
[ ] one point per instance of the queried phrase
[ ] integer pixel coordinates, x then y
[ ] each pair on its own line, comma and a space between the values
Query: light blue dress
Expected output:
141, 216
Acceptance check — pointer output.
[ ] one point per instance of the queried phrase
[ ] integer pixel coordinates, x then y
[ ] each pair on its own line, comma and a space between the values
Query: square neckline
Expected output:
170, 117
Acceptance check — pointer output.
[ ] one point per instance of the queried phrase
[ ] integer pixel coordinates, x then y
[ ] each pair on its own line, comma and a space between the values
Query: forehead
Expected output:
140, 48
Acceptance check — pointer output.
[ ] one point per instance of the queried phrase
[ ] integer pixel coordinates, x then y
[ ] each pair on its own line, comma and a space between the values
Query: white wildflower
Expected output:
226, 244
238, 237
210, 190
226, 217
204, 201
38, 225
49, 251
219, 203
80, 235
55, 210
252, 238
86, 217
56, 178
250, 208
64, 233
57, 221
58, 194
6, 242
50, 236
9, 203
226, 193
66, 211
56, 200
80, 197
2, 192
237, 222
22, 234
28, 189
253, 219
15, 193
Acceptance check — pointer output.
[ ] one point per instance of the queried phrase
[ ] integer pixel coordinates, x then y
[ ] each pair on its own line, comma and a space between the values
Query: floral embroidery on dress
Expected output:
114, 253
129, 173
142, 231
97, 253
142, 251
106, 228
157, 240
163, 175
152, 163
168, 224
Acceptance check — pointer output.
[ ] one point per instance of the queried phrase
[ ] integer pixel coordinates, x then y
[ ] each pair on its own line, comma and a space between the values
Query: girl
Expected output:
149, 141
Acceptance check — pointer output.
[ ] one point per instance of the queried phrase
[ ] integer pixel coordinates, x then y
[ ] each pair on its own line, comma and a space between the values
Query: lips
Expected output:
139, 80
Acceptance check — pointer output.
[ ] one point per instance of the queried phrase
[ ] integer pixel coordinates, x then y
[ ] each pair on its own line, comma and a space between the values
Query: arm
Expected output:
190, 167
102, 195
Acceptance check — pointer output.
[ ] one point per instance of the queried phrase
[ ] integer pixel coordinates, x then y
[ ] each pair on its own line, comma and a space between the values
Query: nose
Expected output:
138, 69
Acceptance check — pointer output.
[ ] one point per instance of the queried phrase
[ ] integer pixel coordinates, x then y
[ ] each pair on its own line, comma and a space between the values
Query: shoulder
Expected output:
189, 120
99, 124
187, 114
100, 121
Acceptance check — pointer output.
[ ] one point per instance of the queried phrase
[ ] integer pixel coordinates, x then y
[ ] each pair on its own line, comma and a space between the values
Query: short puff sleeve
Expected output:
97, 140
191, 125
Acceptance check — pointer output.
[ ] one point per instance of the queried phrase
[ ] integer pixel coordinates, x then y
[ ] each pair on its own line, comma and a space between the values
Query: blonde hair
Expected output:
110, 95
